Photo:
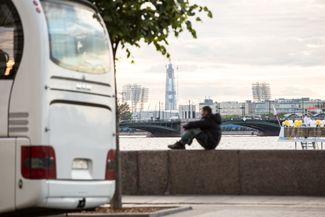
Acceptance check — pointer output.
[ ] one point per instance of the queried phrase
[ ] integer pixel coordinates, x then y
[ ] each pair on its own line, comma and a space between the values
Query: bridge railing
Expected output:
187, 120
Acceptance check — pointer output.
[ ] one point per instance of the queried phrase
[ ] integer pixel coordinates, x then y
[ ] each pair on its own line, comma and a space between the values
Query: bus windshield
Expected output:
78, 40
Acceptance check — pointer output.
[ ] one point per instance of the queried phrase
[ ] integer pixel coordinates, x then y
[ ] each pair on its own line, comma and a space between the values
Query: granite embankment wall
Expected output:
229, 172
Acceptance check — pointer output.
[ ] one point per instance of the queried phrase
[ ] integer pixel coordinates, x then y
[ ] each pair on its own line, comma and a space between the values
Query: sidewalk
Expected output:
237, 206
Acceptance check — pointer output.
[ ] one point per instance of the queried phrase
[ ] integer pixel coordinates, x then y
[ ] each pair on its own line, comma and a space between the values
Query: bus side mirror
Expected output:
4, 58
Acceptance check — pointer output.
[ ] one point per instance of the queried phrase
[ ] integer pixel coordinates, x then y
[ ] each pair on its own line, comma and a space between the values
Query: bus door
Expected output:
11, 46
10, 55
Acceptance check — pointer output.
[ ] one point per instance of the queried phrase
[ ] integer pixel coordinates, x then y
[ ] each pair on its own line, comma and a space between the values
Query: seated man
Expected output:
206, 131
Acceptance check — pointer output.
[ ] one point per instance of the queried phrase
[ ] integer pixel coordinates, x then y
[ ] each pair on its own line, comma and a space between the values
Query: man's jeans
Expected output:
189, 135
200, 136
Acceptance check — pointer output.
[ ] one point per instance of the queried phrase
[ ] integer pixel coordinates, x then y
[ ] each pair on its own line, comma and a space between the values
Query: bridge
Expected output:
266, 127
171, 128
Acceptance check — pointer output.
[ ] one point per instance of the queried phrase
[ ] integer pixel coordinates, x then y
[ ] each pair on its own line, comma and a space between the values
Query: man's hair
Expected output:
207, 109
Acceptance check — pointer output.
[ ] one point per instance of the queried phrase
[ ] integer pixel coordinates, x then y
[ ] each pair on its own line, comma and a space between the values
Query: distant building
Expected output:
135, 95
209, 102
170, 94
232, 108
155, 115
224, 108
266, 107
261, 92
249, 108
289, 106
187, 112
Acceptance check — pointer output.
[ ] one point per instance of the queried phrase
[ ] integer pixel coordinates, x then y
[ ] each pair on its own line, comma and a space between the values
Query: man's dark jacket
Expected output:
210, 125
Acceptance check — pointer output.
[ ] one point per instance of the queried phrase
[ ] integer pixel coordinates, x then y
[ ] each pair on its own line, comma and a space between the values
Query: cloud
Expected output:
281, 42
290, 91
255, 51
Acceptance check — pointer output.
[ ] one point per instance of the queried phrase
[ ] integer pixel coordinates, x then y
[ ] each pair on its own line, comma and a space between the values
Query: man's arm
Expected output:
202, 124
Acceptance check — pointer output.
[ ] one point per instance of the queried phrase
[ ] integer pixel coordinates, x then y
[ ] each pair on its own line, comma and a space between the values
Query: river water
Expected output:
227, 142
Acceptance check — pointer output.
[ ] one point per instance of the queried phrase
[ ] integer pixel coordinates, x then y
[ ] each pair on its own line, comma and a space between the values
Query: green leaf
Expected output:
151, 21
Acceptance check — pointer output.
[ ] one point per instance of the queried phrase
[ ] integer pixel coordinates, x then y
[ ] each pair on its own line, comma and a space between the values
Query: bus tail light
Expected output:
38, 162
110, 165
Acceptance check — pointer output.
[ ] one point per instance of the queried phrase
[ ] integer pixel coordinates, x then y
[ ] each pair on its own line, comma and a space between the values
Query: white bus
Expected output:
57, 107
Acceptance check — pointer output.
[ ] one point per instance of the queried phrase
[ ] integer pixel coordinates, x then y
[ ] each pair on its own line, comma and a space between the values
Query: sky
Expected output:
281, 42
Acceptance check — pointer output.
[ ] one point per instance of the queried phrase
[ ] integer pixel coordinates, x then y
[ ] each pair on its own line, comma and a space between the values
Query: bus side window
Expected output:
4, 58
11, 40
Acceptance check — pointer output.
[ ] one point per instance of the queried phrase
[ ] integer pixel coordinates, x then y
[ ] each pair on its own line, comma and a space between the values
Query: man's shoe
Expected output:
177, 146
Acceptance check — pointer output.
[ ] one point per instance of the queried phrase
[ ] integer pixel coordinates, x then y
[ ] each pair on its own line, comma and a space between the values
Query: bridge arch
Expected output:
156, 128
267, 127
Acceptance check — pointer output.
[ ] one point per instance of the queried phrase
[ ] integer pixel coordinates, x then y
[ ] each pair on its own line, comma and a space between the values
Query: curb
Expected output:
154, 214
170, 211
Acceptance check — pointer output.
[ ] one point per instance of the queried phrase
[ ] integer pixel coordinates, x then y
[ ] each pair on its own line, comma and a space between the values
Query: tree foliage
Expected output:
124, 112
130, 22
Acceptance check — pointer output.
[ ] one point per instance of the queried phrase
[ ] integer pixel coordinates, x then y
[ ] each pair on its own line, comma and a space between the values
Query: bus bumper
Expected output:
78, 194
75, 203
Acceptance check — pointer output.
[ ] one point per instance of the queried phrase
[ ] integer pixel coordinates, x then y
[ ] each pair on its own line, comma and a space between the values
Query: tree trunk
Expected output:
116, 202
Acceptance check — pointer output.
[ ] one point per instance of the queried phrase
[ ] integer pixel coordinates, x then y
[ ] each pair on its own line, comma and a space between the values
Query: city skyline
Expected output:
279, 42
